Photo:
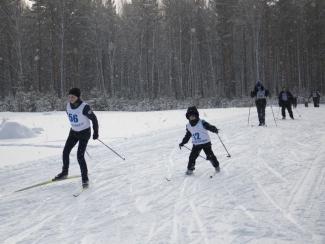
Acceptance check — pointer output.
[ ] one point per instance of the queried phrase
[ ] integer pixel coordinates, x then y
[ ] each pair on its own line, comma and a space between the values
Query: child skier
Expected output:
79, 114
198, 130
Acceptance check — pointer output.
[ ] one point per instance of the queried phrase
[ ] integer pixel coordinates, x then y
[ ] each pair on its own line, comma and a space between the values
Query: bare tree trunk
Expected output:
18, 45
180, 61
62, 82
111, 59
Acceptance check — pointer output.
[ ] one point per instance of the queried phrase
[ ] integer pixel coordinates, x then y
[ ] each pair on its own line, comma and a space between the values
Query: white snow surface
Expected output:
271, 190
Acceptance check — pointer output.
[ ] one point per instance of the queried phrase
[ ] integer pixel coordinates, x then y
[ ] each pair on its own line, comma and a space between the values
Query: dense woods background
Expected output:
149, 50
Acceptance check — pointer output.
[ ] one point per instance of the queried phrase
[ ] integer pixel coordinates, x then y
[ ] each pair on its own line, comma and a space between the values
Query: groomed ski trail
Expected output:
258, 197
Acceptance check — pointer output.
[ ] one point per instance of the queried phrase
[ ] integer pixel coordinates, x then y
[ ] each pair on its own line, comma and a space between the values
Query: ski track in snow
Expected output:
272, 189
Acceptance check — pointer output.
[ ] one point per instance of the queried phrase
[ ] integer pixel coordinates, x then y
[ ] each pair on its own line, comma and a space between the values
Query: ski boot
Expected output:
61, 176
189, 172
85, 183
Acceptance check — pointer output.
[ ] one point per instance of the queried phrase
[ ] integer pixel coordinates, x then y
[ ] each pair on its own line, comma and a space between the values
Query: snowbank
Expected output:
14, 130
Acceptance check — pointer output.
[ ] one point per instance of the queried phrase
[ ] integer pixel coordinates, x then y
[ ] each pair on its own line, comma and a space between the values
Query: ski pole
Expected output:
111, 150
191, 151
88, 154
249, 114
273, 116
224, 146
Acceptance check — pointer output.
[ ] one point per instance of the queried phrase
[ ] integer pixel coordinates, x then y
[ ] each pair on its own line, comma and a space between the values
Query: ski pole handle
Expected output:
112, 150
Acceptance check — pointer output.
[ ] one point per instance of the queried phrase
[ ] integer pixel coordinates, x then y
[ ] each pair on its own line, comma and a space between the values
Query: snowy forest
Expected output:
150, 50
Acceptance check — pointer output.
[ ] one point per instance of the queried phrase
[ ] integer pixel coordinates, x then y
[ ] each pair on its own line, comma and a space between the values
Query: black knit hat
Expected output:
75, 91
192, 111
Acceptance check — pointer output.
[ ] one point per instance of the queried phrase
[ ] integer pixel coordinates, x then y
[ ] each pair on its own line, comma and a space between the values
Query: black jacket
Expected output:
314, 94
254, 92
290, 98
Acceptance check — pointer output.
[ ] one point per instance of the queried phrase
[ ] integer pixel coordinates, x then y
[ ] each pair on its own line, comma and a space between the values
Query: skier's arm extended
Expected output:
186, 138
209, 127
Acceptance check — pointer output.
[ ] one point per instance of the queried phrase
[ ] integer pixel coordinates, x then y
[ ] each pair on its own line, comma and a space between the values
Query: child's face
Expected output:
192, 117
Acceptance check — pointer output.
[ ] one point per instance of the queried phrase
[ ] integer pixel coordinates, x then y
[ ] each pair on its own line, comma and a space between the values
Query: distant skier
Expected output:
285, 102
260, 94
198, 130
316, 97
79, 114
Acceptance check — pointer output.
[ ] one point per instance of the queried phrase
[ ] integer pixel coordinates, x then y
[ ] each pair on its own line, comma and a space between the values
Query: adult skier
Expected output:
79, 114
316, 97
260, 94
285, 102
198, 130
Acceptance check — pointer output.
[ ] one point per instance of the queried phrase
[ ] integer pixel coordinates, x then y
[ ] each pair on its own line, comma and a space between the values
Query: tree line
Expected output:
154, 49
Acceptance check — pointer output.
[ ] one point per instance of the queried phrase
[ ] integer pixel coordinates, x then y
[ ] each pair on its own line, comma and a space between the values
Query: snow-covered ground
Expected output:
272, 189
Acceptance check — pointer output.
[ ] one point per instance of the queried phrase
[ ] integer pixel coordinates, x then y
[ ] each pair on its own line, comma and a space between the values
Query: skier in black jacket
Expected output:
285, 102
260, 94
79, 114
198, 130
316, 97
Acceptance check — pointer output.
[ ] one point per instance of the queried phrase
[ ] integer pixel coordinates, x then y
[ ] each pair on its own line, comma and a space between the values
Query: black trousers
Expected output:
316, 101
196, 149
82, 137
261, 105
286, 105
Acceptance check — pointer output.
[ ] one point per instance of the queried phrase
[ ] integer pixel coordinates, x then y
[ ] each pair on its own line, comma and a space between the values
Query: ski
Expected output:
46, 183
215, 173
177, 176
77, 194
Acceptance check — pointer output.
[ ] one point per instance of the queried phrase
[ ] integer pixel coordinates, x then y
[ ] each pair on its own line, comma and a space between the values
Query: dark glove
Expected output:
216, 130
181, 145
95, 135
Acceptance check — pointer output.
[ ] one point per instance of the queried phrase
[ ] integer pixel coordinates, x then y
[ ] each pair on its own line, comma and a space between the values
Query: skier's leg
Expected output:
81, 159
210, 155
193, 156
289, 107
69, 144
283, 111
263, 112
259, 112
